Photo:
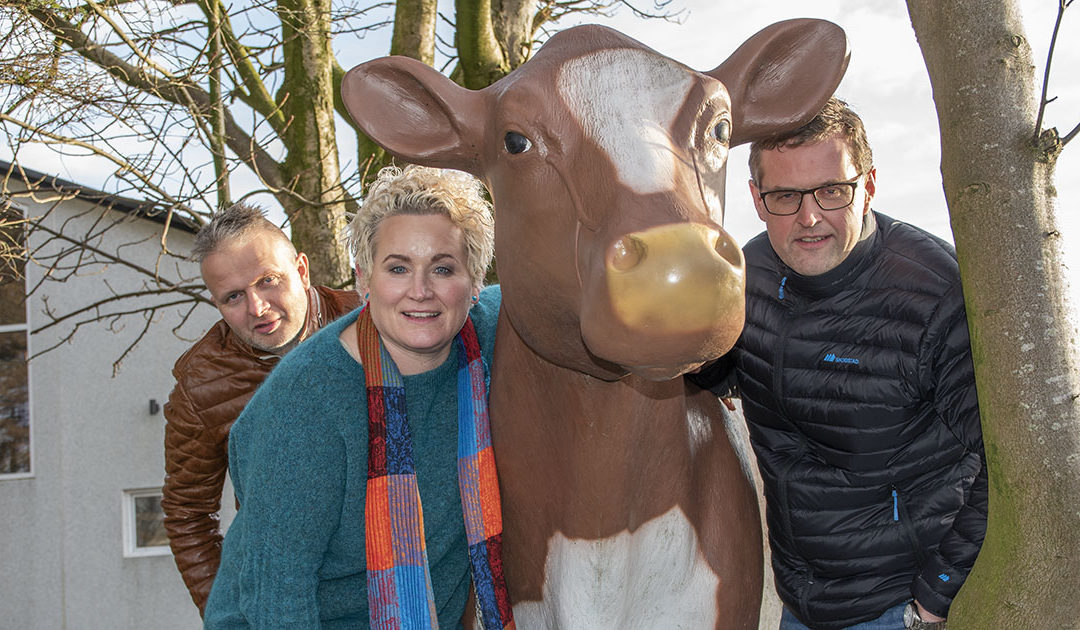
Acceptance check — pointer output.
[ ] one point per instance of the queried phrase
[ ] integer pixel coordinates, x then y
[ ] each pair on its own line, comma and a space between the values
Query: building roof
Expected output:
36, 180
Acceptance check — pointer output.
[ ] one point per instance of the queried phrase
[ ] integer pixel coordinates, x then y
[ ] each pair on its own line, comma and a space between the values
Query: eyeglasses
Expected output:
829, 197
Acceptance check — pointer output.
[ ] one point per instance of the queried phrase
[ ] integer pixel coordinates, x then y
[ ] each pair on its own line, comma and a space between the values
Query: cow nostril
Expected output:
728, 249
627, 253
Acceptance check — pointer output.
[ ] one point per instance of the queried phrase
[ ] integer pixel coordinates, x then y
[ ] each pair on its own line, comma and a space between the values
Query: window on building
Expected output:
144, 524
15, 445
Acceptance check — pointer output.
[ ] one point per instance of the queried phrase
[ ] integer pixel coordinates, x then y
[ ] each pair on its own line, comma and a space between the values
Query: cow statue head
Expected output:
606, 164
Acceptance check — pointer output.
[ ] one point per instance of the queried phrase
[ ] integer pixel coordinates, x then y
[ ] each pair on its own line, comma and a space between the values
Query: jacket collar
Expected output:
316, 314
844, 274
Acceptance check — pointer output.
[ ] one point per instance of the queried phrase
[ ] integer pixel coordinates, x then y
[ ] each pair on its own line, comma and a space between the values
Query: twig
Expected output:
1069, 136
117, 297
82, 245
1043, 102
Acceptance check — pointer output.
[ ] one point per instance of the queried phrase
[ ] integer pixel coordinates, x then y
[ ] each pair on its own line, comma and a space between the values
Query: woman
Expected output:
331, 457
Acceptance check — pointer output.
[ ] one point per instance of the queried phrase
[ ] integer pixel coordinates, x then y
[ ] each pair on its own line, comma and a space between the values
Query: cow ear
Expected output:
415, 113
780, 78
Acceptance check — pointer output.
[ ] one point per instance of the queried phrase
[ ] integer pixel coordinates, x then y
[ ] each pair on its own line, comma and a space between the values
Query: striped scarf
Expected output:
400, 595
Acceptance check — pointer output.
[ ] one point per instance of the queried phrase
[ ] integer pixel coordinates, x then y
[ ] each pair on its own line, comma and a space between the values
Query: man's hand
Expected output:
926, 615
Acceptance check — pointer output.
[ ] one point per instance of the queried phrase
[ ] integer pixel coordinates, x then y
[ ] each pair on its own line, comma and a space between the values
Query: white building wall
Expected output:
62, 563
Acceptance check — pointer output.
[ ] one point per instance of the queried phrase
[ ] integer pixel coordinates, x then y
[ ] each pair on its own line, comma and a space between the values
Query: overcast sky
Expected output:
886, 83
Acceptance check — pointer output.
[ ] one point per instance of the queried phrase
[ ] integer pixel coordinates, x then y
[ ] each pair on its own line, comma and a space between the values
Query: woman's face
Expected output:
419, 289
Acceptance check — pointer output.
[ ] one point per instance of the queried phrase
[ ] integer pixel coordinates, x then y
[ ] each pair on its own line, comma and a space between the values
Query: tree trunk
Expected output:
315, 199
1000, 191
512, 23
480, 57
414, 30
217, 111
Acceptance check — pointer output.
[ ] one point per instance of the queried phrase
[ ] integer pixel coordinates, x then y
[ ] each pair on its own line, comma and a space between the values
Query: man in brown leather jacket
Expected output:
260, 285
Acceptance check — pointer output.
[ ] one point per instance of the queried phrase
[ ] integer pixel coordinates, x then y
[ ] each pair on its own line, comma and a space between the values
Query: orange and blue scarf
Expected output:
400, 595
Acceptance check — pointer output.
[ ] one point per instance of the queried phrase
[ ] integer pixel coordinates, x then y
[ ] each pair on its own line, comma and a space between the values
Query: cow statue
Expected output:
625, 504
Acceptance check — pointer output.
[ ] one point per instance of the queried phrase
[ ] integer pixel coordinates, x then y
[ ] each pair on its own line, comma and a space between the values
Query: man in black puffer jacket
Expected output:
857, 385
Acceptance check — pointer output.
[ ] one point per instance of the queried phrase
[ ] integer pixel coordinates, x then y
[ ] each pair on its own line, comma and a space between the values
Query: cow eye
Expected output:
516, 143
722, 131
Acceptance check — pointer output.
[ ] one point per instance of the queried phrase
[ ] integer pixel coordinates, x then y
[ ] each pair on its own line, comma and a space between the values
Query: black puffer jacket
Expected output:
859, 392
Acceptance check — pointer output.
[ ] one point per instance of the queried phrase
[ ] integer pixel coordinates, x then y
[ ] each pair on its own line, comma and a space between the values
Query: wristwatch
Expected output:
912, 620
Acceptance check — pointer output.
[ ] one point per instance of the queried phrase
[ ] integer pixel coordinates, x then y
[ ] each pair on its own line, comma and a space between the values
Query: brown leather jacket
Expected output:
215, 378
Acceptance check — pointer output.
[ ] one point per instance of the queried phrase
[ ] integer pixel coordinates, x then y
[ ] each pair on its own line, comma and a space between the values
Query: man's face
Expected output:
813, 241
260, 288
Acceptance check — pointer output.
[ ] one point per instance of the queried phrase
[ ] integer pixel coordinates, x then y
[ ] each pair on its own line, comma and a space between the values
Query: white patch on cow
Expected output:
739, 438
713, 200
626, 101
698, 429
653, 578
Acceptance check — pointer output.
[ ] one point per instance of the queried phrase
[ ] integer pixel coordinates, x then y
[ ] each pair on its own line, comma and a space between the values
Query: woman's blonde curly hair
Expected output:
420, 190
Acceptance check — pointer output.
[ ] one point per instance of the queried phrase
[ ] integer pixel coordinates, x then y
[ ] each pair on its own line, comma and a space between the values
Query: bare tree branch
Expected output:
173, 102
1069, 136
124, 165
255, 95
12, 245
112, 299
82, 246
185, 94
1043, 101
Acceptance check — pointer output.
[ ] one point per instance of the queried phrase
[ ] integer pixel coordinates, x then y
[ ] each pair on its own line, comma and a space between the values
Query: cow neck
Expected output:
843, 275
596, 435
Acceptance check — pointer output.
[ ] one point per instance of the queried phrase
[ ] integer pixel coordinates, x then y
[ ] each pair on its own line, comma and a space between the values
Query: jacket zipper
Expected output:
900, 514
778, 388
804, 597
785, 508
785, 513
778, 358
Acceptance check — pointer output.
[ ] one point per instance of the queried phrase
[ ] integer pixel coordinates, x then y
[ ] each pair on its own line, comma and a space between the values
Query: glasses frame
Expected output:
853, 183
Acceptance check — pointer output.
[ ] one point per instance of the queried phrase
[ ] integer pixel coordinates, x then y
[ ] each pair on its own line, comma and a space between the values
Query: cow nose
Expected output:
627, 252
675, 279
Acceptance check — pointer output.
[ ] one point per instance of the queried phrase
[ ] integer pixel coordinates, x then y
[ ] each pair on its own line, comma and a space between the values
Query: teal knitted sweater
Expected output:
294, 555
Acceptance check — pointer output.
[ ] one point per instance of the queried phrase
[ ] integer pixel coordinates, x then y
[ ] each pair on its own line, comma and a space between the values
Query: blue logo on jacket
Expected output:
832, 358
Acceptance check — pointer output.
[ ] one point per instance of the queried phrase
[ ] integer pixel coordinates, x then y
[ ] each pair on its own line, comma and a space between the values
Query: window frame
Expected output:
24, 328
130, 524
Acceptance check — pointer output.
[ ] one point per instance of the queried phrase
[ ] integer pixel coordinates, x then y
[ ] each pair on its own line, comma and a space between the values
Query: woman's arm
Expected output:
290, 464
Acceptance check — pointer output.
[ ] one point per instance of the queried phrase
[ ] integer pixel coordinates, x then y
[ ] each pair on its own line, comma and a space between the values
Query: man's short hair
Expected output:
420, 190
835, 119
238, 221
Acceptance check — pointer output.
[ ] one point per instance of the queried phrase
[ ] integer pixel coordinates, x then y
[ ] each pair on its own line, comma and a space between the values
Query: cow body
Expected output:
625, 504
629, 507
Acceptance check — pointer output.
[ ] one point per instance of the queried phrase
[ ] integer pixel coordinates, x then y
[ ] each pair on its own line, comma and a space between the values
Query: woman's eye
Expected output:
516, 143
397, 269
721, 131
443, 270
